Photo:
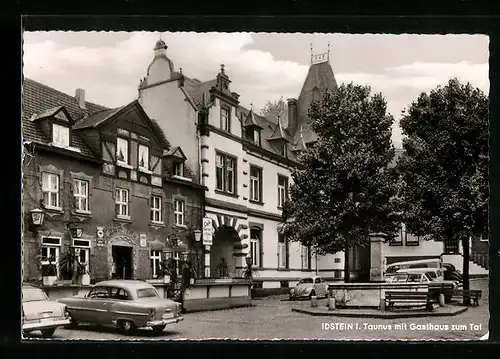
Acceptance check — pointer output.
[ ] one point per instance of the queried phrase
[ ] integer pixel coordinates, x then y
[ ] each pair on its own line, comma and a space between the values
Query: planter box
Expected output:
49, 280
86, 279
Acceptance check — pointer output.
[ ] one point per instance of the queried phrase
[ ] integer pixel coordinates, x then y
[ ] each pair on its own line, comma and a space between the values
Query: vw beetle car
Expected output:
127, 304
309, 287
40, 313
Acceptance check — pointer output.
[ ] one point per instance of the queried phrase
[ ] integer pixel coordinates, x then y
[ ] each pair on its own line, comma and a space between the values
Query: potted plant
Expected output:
68, 266
83, 273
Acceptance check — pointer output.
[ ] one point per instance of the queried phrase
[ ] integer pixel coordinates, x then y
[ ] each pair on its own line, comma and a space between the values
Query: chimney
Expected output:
80, 98
292, 115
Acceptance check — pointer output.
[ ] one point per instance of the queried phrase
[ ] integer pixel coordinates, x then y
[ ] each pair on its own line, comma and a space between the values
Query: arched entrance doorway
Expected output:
222, 261
121, 257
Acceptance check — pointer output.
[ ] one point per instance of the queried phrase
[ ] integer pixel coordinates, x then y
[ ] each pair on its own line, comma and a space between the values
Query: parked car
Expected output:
426, 275
40, 313
127, 304
421, 263
451, 273
309, 287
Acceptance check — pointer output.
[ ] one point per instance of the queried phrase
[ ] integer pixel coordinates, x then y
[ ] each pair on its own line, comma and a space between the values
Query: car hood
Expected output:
302, 288
35, 309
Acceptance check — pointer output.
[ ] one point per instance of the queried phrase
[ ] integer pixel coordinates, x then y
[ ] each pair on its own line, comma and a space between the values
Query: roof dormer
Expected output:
252, 128
175, 160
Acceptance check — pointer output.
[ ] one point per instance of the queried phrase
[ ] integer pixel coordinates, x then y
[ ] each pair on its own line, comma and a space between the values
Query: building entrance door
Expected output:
122, 262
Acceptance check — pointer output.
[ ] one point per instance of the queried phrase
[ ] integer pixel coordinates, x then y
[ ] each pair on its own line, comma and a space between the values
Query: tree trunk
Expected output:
465, 284
347, 272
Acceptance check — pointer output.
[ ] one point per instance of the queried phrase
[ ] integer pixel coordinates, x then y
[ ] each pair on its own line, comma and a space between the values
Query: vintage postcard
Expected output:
182, 185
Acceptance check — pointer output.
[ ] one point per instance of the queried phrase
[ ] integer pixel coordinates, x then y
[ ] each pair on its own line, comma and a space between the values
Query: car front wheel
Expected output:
127, 327
47, 333
157, 329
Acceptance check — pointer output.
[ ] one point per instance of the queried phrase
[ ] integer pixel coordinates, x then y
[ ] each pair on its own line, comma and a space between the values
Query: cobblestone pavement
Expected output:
272, 318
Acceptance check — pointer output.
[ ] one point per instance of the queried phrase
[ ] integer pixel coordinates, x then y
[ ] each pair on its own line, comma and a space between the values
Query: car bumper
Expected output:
46, 324
154, 323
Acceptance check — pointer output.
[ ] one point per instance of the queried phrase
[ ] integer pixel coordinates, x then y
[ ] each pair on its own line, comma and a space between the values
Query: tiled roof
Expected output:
96, 118
196, 89
250, 120
42, 100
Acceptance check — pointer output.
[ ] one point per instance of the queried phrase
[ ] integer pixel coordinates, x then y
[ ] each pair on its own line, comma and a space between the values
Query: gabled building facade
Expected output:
105, 181
245, 162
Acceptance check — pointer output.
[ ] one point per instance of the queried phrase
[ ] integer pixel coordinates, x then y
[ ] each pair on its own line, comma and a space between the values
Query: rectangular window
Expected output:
282, 190
179, 169
411, 240
155, 263
282, 251
225, 173
60, 135
50, 189
256, 137
255, 240
283, 149
143, 157
398, 240
121, 202
225, 120
255, 183
81, 195
156, 209
179, 212
122, 150
50, 255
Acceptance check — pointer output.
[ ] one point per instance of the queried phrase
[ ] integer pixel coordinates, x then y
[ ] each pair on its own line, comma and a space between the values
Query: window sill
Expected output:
412, 244
284, 269
395, 244
82, 213
124, 165
280, 208
145, 170
180, 226
182, 178
157, 224
228, 194
125, 219
54, 209
260, 203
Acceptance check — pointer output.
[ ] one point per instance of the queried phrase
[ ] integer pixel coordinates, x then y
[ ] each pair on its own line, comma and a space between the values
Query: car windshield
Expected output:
431, 275
306, 280
33, 294
147, 293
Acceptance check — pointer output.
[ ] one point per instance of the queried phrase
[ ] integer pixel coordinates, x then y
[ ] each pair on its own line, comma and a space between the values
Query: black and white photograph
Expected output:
254, 186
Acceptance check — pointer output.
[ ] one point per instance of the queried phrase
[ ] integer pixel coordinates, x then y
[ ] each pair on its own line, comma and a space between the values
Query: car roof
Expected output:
418, 270
124, 283
419, 261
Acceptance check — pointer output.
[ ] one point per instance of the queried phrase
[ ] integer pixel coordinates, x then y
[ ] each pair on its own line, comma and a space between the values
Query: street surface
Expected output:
272, 318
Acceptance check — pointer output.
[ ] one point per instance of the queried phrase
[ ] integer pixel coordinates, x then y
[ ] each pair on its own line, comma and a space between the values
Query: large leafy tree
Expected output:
346, 187
445, 165
273, 110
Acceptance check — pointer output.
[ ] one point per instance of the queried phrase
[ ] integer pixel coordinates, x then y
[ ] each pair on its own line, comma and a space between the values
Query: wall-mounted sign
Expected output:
143, 240
77, 232
100, 237
207, 231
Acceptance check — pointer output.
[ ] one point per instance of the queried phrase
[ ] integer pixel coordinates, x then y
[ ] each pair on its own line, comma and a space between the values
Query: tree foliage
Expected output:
346, 188
445, 165
273, 110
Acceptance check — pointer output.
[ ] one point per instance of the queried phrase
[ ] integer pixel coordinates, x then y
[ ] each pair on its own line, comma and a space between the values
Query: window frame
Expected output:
224, 170
60, 129
256, 247
225, 121
126, 155
283, 246
181, 213
49, 246
257, 180
282, 197
156, 210
78, 196
47, 189
155, 260
306, 258
145, 168
119, 202
178, 165
398, 240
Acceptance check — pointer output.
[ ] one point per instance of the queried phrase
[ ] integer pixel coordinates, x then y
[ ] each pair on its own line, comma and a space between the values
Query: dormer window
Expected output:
256, 137
283, 149
179, 169
60, 135
143, 157
225, 120
122, 150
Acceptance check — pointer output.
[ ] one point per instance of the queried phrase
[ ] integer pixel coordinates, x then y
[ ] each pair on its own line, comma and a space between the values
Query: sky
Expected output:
261, 66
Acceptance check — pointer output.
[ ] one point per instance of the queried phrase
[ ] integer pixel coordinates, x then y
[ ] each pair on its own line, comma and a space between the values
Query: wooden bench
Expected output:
410, 298
473, 294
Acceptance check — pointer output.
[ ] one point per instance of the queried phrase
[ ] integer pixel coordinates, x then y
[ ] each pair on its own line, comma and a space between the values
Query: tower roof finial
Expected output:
311, 47
222, 68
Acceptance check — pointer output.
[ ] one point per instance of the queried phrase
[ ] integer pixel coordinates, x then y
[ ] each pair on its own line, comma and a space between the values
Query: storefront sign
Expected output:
100, 237
143, 240
207, 231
